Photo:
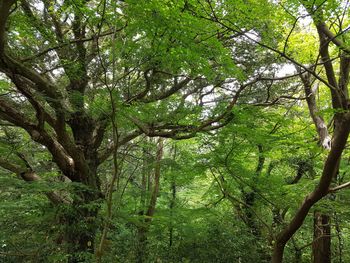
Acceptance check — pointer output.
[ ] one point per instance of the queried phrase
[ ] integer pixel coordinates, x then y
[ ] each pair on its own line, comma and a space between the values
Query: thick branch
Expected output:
179, 132
11, 66
41, 114
175, 88
321, 127
9, 113
328, 66
122, 141
29, 175
5, 6
321, 26
322, 189
154, 196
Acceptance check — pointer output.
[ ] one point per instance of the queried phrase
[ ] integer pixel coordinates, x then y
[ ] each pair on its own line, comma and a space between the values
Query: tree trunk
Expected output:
330, 169
171, 207
81, 225
143, 229
278, 250
249, 197
142, 243
340, 239
297, 252
80, 228
321, 247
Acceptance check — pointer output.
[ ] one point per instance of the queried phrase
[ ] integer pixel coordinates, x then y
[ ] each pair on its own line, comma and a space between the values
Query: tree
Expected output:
321, 13
84, 84
85, 78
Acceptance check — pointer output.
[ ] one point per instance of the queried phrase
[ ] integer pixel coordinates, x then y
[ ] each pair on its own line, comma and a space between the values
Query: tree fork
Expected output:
322, 189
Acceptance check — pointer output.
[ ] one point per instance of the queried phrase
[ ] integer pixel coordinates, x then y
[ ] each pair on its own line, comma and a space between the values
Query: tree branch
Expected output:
339, 187
28, 175
5, 6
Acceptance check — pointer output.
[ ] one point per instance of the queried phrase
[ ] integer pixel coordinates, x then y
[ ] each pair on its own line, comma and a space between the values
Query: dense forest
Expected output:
174, 131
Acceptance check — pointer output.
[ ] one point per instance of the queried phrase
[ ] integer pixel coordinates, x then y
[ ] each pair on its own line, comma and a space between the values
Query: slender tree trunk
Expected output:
250, 197
143, 229
142, 243
321, 247
145, 190
321, 250
340, 240
171, 207
297, 252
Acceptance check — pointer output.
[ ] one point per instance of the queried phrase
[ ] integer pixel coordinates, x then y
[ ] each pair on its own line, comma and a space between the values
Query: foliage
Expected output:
173, 131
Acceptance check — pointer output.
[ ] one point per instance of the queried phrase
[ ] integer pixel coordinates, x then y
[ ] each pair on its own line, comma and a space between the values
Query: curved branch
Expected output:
28, 175
322, 189
5, 7
321, 127
122, 141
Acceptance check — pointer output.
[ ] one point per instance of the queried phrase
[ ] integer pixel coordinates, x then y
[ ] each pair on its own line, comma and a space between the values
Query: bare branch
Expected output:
339, 187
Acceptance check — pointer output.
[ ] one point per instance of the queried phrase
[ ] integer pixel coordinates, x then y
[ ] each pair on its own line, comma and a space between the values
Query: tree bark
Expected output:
171, 207
278, 250
329, 170
321, 247
143, 229
80, 223
340, 239
339, 96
